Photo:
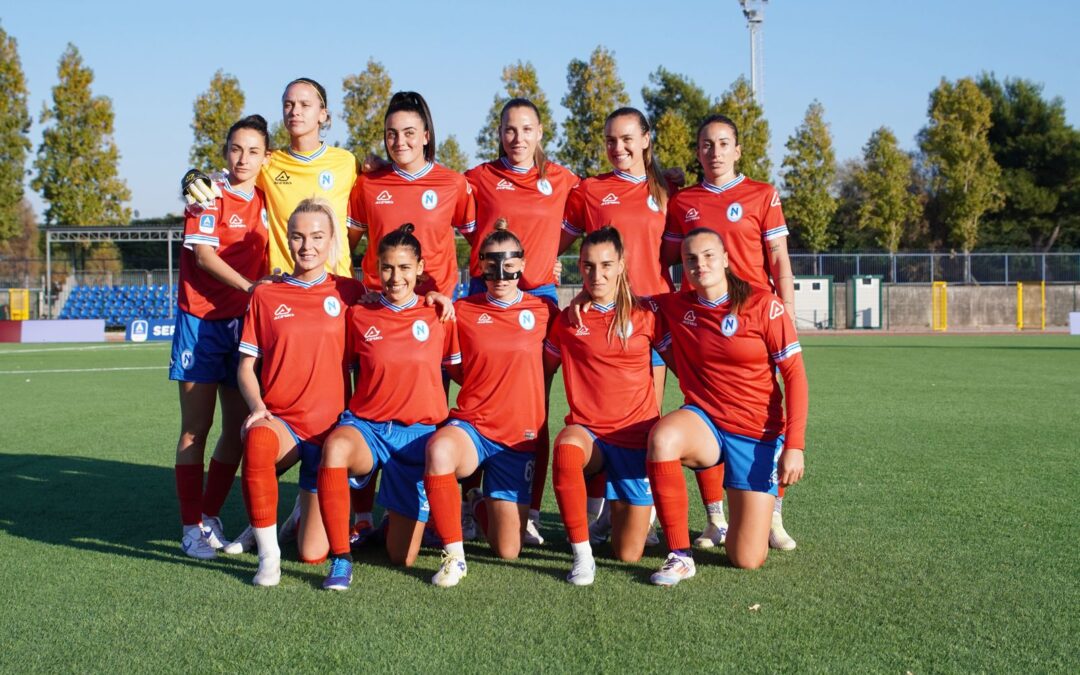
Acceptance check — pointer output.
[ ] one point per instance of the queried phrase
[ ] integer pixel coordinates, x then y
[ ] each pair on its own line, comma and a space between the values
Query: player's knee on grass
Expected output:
745, 558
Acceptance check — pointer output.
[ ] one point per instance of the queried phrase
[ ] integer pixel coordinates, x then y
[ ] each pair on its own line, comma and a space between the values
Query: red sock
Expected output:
259, 476
540, 467
568, 478
445, 501
480, 515
219, 480
333, 487
781, 490
363, 500
711, 484
669, 495
189, 478
596, 485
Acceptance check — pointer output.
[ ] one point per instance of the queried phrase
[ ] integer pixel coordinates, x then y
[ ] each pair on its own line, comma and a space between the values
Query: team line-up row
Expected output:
283, 387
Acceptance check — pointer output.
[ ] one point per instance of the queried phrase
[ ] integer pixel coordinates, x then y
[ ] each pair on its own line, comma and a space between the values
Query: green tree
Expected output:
809, 170
14, 129
77, 159
366, 97
216, 109
593, 90
519, 81
669, 143
451, 155
889, 207
738, 103
674, 96
1039, 156
965, 178
279, 136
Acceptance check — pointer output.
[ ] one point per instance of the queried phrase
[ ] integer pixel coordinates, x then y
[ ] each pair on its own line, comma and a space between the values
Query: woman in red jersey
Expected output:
727, 339
294, 380
609, 388
748, 214
223, 259
501, 334
398, 346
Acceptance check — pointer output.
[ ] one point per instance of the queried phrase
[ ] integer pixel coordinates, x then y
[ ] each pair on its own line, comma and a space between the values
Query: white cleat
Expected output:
675, 569
583, 572
451, 572
288, 529
778, 536
195, 544
269, 573
532, 536
215, 535
713, 535
470, 529
242, 544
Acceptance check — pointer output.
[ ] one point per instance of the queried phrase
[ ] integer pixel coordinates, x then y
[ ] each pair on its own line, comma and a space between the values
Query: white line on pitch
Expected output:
79, 370
16, 352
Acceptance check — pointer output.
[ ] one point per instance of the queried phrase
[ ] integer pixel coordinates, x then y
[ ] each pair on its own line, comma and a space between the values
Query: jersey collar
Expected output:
397, 308
630, 179
308, 158
513, 167
414, 176
290, 279
713, 305
726, 186
503, 304
603, 309
246, 196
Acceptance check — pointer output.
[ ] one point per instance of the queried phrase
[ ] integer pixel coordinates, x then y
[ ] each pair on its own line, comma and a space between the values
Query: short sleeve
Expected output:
574, 212
465, 208
357, 216
451, 347
202, 228
249, 336
773, 225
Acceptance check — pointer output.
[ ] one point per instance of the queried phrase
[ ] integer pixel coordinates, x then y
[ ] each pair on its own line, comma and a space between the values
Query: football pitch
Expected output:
937, 531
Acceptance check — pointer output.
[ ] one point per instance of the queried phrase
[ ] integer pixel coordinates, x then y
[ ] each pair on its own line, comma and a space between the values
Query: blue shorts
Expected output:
205, 350
625, 468
508, 473
750, 463
657, 360
310, 458
398, 450
547, 291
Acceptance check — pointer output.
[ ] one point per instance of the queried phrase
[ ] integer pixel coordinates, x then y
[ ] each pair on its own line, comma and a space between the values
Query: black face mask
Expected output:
498, 260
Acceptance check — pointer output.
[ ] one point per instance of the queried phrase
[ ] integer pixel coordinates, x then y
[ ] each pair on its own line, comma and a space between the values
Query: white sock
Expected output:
779, 504
534, 515
715, 511
266, 541
457, 549
594, 505
582, 550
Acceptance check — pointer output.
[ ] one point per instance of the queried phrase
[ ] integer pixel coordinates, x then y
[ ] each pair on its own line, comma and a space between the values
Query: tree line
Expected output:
996, 166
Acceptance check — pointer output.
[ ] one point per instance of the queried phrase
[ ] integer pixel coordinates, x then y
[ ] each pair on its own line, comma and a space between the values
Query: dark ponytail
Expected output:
256, 123
410, 101
653, 171
539, 156
403, 236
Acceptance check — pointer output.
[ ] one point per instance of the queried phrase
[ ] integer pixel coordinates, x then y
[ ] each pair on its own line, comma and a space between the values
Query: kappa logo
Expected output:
236, 221
504, 185
332, 306
484, 318
326, 180
734, 212
775, 199
690, 319
372, 334
283, 178
544, 186
609, 200
206, 223
775, 309
691, 216
729, 325
282, 312
429, 200
582, 330
420, 331
384, 198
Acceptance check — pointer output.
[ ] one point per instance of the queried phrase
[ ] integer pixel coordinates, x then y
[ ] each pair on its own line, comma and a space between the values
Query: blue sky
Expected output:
869, 63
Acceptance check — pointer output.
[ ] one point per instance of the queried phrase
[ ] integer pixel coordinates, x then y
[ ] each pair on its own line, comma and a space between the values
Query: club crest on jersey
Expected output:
527, 319
504, 184
283, 178
484, 318
187, 359
420, 331
236, 221
690, 319
609, 200
372, 334
582, 331
206, 223
729, 325
629, 331
326, 180
332, 306
734, 212
429, 200
775, 310
282, 312
652, 204
265, 218
543, 186
384, 197
691, 216
775, 199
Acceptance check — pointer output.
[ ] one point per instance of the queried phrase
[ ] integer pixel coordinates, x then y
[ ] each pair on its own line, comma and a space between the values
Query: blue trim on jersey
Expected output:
516, 169
566, 226
246, 196
193, 239
308, 158
781, 231
664, 344
726, 186
414, 176
293, 281
552, 349
787, 352
631, 179
713, 305
603, 309
249, 349
398, 308
503, 304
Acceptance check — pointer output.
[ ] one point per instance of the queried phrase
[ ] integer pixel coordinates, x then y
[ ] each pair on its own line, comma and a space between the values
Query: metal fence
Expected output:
925, 268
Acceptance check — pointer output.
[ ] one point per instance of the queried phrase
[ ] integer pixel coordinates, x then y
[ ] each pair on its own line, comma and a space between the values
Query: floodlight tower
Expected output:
754, 11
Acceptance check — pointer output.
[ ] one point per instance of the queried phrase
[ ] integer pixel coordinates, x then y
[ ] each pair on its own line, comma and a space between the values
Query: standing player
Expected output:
606, 369
525, 188
224, 255
398, 347
499, 413
749, 217
728, 339
293, 377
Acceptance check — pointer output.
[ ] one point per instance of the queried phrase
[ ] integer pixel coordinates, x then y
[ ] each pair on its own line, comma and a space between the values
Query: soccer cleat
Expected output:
361, 534
214, 534
452, 571
195, 544
470, 528
778, 536
583, 572
713, 535
600, 529
675, 569
288, 529
651, 538
340, 575
242, 544
269, 573
532, 535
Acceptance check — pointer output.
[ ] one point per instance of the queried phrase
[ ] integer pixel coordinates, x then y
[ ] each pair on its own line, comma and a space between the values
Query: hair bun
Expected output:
501, 224
407, 228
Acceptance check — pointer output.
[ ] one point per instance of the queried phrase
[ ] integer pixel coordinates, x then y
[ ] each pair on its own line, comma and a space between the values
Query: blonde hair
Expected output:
321, 205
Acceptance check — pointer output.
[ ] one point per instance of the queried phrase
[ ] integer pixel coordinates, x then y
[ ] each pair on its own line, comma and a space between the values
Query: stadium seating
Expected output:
118, 305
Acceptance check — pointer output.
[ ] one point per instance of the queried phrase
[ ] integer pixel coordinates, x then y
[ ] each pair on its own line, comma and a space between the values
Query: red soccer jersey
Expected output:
533, 208
726, 363
434, 199
624, 201
745, 212
399, 353
502, 394
298, 330
235, 225
609, 388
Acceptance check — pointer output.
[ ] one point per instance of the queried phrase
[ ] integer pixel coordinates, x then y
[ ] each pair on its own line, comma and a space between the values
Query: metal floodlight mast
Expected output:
754, 11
